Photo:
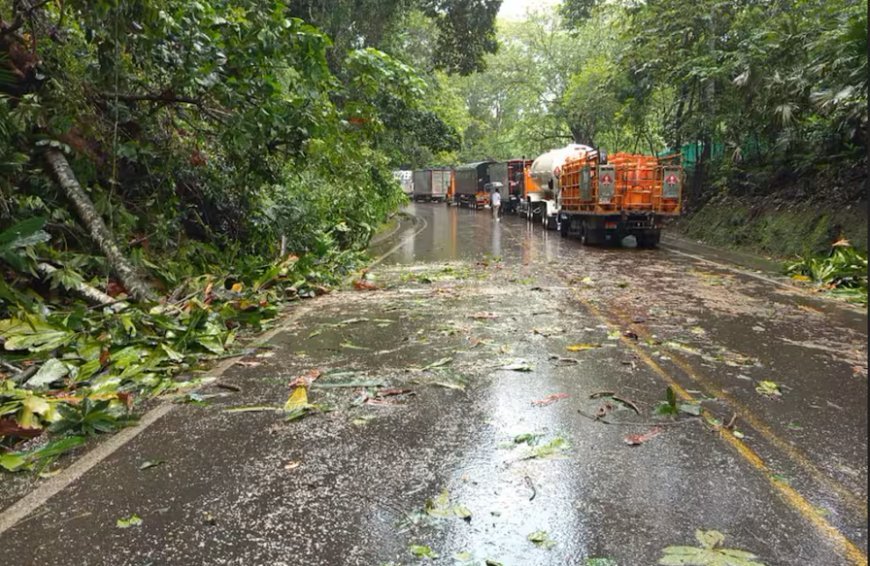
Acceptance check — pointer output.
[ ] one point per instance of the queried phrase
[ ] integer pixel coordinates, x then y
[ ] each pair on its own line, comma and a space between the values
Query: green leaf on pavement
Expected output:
552, 448
422, 551
131, 521
769, 389
439, 363
150, 464
541, 539
708, 554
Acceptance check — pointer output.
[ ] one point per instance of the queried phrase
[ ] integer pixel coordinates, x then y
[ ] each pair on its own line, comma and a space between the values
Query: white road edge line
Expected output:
19, 510
668, 248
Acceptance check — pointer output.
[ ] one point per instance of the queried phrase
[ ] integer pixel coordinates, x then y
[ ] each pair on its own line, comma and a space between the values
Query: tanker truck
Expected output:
545, 171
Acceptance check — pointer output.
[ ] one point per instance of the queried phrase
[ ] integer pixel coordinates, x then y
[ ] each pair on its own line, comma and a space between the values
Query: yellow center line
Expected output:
792, 497
856, 503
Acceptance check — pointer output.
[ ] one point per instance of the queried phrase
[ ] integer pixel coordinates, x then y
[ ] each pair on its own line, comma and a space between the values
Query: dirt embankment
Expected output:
800, 216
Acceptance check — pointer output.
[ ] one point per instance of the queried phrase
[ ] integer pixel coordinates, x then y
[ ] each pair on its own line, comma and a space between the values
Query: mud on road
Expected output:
497, 399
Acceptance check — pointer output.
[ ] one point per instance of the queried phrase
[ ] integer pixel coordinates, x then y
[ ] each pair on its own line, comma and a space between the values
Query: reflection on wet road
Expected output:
497, 401
718, 333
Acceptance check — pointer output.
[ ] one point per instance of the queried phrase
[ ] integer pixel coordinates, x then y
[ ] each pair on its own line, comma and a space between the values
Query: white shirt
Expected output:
496, 199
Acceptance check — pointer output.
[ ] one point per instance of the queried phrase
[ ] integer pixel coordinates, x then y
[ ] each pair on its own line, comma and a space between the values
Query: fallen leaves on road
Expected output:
253, 409
527, 438
441, 507
582, 346
306, 379
483, 315
131, 521
549, 331
422, 551
392, 392
708, 554
150, 464
517, 365
297, 400
552, 448
561, 360
363, 285
541, 539
769, 389
439, 363
549, 399
638, 439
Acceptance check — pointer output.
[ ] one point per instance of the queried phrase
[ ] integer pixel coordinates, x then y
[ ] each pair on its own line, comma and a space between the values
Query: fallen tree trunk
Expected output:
85, 291
100, 233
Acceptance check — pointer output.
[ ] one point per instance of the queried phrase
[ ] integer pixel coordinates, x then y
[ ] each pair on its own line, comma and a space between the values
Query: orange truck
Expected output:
626, 195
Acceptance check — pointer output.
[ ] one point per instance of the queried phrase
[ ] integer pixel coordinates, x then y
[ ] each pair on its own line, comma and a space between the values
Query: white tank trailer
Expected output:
546, 170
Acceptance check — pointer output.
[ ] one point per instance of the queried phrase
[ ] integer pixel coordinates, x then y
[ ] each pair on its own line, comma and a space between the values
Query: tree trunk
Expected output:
100, 233
85, 291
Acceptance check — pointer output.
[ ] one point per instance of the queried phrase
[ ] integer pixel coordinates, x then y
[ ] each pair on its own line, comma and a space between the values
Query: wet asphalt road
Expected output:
419, 399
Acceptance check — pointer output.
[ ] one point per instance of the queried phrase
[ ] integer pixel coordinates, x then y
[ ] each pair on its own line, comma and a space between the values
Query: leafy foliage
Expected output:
709, 553
844, 269
211, 137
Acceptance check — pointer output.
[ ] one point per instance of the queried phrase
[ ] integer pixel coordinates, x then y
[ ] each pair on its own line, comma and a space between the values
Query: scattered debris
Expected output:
527, 438
483, 316
549, 399
439, 363
363, 285
150, 464
441, 508
769, 389
517, 365
547, 332
306, 379
627, 402
254, 409
531, 487
582, 346
541, 539
561, 360
392, 392
552, 448
292, 465
638, 439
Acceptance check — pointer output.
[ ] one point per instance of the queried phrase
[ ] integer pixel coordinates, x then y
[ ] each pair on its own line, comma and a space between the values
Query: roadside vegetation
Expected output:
171, 173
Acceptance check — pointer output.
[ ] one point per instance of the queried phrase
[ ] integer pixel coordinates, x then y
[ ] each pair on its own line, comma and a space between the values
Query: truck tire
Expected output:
550, 223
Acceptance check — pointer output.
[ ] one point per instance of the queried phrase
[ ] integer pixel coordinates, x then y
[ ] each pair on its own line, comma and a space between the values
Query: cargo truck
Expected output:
628, 195
469, 182
431, 185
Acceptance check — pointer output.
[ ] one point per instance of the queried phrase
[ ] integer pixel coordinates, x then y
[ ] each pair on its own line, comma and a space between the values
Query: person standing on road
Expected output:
495, 203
